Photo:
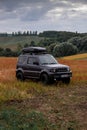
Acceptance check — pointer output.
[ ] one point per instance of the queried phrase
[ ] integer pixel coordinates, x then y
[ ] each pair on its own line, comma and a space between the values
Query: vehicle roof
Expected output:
33, 50
33, 54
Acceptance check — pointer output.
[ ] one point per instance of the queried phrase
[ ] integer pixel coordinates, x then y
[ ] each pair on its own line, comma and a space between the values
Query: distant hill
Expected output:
61, 36
13, 41
48, 39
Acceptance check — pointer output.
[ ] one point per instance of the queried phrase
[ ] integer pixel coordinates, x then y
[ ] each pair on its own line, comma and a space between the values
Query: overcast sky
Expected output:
41, 15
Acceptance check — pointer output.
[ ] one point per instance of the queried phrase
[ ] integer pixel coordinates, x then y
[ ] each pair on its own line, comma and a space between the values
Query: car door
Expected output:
32, 67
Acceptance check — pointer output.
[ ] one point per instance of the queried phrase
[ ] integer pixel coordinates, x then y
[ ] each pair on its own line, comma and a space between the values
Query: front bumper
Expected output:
61, 75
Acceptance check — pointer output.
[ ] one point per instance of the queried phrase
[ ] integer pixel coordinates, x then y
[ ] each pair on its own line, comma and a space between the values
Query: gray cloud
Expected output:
34, 9
10, 5
26, 9
45, 11
79, 1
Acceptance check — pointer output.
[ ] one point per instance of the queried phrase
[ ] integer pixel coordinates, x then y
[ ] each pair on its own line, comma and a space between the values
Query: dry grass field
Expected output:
31, 106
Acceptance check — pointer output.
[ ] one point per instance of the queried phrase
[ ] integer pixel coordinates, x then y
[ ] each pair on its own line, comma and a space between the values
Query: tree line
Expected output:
58, 44
19, 33
64, 43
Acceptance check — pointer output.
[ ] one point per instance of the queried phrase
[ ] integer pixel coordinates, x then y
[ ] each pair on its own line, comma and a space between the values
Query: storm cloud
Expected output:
43, 15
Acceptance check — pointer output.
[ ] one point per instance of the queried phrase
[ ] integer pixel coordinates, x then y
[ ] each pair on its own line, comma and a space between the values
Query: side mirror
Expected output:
35, 63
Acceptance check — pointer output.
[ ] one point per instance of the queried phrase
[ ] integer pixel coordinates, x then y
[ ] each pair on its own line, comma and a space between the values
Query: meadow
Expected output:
12, 42
30, 105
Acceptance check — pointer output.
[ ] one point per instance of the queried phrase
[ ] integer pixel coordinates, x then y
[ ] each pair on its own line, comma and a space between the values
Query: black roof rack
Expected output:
34, 50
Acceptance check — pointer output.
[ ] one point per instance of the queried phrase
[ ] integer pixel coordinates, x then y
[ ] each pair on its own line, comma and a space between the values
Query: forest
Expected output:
58, 43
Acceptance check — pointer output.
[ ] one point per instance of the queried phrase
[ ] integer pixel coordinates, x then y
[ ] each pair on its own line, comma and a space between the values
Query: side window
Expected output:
22, 59
31, 60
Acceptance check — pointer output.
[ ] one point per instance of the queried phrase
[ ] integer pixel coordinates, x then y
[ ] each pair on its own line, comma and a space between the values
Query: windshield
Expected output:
47, 59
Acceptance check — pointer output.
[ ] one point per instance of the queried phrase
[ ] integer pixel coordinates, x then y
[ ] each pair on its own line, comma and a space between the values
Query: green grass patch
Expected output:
12, 119
30, 105
16, 120
12, 42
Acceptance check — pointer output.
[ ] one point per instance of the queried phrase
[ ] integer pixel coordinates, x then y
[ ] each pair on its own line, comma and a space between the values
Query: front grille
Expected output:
61, 70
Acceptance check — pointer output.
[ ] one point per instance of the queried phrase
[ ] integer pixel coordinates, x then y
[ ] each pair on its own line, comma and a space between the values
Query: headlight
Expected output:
53, 70
68, 69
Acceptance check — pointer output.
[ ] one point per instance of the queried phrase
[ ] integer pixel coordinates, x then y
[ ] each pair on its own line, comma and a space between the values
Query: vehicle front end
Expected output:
60, 72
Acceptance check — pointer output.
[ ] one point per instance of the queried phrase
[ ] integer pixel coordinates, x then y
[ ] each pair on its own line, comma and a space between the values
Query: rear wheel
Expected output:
20, 76
44, 78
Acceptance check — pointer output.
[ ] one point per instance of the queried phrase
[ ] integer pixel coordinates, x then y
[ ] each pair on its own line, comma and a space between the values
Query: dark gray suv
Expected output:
36, 63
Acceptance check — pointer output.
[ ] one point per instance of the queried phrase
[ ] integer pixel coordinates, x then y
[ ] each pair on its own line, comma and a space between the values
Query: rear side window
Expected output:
31, 60
22, 59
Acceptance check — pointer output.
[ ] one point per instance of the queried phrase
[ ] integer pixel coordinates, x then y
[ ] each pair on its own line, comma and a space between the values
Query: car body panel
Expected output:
31, 67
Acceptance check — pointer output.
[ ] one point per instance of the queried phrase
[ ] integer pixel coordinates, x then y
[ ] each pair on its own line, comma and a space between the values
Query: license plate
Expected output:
64, 76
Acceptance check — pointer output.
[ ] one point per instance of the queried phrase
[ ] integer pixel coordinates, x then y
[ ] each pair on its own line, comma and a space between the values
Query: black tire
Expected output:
66, 80
20, 76
44, 79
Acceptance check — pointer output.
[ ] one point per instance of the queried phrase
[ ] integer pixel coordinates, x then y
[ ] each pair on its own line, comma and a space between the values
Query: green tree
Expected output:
19, 33
64, 49
26, 45
75, 41
1, 51
46, 42
83, 45
51, 48
80, 43
19, 48
7, 52
32, 43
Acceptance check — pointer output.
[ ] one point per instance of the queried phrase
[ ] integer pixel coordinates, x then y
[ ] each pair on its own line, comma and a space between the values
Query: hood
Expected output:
56, 66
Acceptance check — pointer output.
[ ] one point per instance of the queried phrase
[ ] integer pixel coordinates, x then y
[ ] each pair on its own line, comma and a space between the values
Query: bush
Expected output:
64, 49
80, 43
51, 48
8, 52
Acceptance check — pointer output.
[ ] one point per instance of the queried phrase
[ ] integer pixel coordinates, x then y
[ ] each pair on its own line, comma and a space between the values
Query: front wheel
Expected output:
44, 78
20, 76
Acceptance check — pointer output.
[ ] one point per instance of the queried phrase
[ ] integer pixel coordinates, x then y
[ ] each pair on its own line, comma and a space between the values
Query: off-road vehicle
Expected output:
36, 63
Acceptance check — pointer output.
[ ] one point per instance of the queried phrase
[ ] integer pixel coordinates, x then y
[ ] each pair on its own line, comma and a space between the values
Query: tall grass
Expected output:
76, 57
30, 105
10, 88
